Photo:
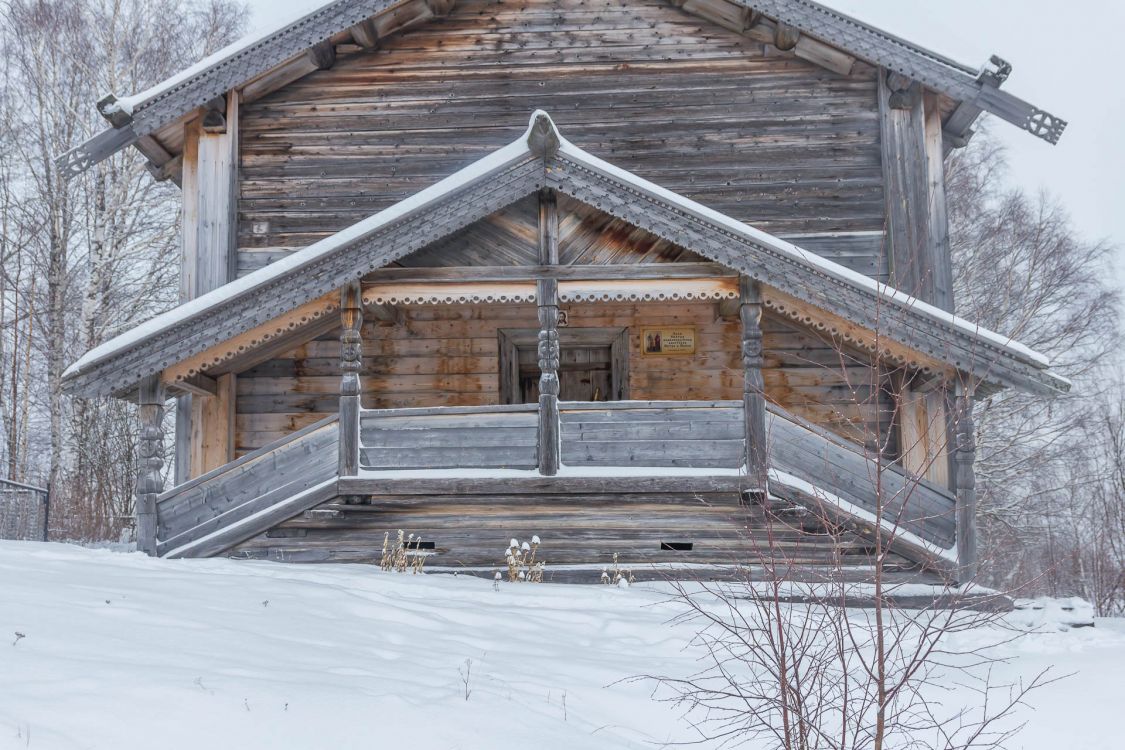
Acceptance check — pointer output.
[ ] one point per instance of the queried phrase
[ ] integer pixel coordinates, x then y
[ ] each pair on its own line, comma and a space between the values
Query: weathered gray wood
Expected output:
519, 456
493, 436
754, 387
181, 466
847, 472
548, 228
445, 411
365, 34
619, 366
549, 451
965, 478
209, 222
227, 537
562, 273
351, 356
322, 55
582, 179
470, 438
423, 422
580, 451
692, 435
250, 457
386, 313
588, 411
835, 517
150, 460
247, 486
918, 255
534, 485
199, 385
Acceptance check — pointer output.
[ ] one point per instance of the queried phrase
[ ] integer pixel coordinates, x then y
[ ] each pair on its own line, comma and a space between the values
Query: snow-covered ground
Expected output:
119, 650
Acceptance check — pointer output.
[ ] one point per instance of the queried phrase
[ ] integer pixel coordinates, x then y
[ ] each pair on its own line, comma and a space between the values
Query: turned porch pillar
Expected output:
549, 446
351, 361
150, 459
753, 385
965, 483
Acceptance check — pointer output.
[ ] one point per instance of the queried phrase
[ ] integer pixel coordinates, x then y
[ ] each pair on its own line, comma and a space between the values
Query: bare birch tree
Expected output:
85, 258
1022, 267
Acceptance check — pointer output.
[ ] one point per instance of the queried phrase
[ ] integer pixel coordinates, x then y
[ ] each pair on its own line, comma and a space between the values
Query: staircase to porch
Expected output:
653, 481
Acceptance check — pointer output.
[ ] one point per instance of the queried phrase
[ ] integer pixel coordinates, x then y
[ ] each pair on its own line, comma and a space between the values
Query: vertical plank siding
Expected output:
763, 136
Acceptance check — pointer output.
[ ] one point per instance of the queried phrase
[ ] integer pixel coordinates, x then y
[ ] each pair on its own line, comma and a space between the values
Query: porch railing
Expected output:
687, 434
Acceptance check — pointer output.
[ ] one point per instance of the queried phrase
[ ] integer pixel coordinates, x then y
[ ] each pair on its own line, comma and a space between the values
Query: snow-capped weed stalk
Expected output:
520, 558
403, 554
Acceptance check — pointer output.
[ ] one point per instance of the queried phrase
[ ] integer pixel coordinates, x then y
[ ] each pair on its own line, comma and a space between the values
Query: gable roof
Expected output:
142, 114
541, 157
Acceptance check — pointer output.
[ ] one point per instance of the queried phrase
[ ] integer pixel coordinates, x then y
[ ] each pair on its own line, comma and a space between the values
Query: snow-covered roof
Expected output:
542, 157
145, 112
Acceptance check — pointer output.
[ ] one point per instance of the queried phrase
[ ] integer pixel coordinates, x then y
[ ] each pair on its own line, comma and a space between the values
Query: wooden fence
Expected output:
24, 511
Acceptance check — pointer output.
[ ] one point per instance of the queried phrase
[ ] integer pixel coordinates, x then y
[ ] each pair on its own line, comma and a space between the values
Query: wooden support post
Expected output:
150, 460
208, 255
966, 486
351, 361
212, 427
753, 388
181, 460
917, 231
550, 449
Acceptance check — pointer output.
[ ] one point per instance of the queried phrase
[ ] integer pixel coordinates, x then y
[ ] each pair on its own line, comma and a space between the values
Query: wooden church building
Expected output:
657, 278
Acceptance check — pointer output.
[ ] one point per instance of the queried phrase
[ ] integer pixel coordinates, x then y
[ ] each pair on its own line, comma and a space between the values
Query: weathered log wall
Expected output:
756, 133
586, 528
447, 356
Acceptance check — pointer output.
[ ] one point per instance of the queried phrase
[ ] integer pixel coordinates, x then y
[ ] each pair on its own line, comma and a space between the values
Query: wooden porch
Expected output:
656, 482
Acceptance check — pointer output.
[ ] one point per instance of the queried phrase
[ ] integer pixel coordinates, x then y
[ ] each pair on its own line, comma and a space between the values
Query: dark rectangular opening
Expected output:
676, 546
285, 533
419, 544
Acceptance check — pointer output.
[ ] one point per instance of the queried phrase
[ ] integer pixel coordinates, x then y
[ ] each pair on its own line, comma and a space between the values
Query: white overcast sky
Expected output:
1065, 60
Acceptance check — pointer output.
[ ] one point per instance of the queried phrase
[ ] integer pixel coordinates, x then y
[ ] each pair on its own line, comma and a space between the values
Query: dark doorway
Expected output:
584, 374
593, 365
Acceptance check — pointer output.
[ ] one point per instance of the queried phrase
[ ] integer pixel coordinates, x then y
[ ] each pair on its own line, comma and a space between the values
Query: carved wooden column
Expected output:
351, 361
550, 448
753, 385
963, 458
150, 459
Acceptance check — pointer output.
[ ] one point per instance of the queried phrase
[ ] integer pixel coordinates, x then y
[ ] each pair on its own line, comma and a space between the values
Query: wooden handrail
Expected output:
600, 405
842, 442
433, 411
251, 456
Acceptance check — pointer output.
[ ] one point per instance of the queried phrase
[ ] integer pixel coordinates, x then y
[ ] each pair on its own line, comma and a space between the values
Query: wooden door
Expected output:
585, 374
594, 365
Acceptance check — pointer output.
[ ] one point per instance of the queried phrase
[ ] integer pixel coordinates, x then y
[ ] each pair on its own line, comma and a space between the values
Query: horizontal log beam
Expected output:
567, 273
198, 385
541, 485
388, 314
